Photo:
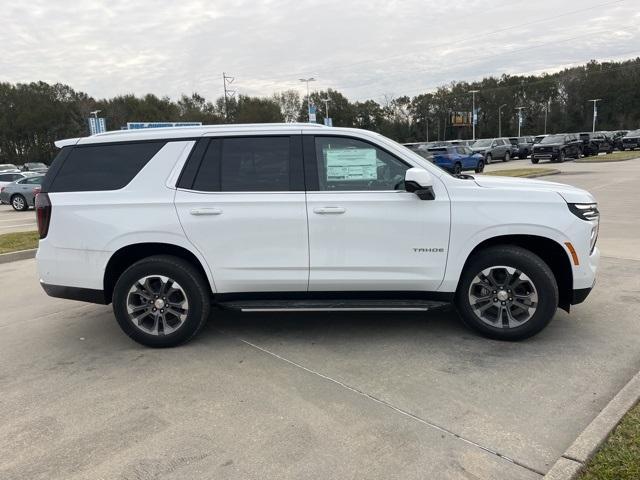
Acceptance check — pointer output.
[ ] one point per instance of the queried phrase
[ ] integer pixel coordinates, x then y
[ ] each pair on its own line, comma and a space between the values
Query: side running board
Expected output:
332, 305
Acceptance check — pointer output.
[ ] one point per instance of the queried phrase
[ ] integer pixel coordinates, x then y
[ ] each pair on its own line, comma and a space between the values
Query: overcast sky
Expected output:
364, 48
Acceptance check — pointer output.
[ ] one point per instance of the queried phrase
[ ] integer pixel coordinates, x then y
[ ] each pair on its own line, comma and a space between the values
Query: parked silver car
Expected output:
21, 194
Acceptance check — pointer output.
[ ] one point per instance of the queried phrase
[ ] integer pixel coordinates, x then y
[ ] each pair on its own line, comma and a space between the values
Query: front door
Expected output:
365, 231
243, 207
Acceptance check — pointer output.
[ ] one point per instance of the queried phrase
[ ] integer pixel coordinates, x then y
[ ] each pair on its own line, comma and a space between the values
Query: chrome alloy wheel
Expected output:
157, 305
18, 202
503, 297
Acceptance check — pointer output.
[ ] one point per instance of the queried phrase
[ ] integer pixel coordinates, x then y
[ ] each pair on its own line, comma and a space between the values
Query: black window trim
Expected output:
311, 163
187, 178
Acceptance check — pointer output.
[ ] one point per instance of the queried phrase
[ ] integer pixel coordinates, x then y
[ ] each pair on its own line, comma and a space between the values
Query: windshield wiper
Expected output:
463, 176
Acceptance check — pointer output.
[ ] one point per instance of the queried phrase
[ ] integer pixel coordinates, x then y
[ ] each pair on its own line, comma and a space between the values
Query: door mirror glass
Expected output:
420, 182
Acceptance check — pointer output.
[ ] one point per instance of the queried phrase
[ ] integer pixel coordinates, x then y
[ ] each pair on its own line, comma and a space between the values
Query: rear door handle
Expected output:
329, 210
205, 211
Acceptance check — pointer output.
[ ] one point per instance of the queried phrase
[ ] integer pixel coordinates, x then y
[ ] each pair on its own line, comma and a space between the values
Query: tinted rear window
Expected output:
102, 167
245, 164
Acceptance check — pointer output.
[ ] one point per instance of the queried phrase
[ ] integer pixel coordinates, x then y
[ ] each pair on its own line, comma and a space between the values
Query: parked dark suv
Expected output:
631, 140
493, 149
557, 148
617, 136
594, 143
524, 145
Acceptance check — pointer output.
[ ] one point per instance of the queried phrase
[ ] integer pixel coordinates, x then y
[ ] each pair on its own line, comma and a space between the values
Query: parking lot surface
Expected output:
13, 221
318, 395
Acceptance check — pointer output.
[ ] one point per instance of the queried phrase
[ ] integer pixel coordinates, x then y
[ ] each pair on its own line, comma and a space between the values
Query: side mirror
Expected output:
420, 182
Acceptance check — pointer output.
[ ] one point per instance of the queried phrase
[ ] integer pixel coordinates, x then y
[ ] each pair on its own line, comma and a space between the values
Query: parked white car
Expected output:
163, 223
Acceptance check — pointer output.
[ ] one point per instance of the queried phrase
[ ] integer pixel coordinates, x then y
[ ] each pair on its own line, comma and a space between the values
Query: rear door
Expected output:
241, 202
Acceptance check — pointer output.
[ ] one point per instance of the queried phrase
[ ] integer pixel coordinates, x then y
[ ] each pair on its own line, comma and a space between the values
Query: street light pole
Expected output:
519, 118
326, 107
546, 112
473, 111
595, 112
500, 118
307, 80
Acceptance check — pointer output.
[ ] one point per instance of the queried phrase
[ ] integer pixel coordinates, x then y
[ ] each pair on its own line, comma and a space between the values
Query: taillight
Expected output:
43, 213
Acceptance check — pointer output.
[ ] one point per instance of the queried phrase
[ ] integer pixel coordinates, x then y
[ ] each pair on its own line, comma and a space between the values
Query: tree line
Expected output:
34, 115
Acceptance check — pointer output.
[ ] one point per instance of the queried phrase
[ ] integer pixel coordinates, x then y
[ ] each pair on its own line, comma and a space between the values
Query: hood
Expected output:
548, 145
569, 193
479, 149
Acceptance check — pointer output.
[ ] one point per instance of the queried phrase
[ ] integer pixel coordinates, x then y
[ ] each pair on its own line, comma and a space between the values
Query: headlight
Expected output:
588, 212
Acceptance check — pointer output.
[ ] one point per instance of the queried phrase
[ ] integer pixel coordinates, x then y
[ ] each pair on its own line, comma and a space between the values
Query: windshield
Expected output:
8, 166
438, 150
634, 133
483, 143
36, 165
553, 139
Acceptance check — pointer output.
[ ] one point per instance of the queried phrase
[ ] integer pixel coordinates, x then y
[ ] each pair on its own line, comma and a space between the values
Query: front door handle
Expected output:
329, 210
205, 211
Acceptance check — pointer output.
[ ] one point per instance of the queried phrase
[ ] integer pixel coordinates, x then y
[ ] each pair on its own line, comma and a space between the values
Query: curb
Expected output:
19, 255
546, 174
572, 461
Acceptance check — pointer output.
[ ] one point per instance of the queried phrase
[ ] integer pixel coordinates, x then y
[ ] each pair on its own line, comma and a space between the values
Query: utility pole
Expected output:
519, 118
595, 111
474, 116
226, 81
500, 118
307, 80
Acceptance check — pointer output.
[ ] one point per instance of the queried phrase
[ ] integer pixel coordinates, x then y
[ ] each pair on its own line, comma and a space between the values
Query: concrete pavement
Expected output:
13, 221
317, 395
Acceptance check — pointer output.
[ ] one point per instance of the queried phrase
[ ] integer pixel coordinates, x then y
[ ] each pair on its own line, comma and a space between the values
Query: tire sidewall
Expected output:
24, 203
190, 281
532, 266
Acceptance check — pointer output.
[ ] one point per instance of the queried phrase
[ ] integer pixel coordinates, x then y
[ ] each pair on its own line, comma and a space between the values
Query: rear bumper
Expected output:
74, 293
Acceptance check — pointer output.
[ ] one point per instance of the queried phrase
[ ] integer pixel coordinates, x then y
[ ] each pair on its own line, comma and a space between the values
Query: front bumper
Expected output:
580, 295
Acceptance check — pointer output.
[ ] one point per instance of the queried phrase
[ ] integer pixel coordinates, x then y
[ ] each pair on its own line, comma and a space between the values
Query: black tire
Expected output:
190, 280
577, 155
457, 169
561, 156
480, 166
19, 203
507, 157
524, 261
534, 160
488, 159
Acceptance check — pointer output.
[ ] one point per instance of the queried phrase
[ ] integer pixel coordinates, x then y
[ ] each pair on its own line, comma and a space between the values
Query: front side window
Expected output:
350, 164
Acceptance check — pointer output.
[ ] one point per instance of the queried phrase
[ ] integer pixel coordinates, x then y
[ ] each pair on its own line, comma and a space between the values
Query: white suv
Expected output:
165, 223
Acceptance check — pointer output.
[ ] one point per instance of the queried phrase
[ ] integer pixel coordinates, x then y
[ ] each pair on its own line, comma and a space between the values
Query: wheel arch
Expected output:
553, 254
128, 255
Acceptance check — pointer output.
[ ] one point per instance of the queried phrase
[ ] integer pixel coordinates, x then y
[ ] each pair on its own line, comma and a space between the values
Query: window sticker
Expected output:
351, 164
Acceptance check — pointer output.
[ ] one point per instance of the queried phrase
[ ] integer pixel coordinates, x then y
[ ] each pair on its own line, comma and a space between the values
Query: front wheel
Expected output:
534, 160
161, 301
507, 293
507, 157
480, 166
488, 158
457, 169
561, 156
19, 203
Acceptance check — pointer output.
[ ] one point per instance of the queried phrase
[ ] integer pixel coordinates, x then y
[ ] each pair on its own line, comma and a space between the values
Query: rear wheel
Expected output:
18, 202
161, 301
488, 158
507, 157
480, 166
507, 293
